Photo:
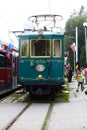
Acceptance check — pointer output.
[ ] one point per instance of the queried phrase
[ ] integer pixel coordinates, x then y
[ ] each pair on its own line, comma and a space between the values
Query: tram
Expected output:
41, 56
8, 69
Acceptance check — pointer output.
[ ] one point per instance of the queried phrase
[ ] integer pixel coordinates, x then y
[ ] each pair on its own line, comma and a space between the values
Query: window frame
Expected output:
40, 56
27, 50
60, 53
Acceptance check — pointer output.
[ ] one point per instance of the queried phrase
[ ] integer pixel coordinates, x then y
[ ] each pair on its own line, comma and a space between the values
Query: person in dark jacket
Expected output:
69, 75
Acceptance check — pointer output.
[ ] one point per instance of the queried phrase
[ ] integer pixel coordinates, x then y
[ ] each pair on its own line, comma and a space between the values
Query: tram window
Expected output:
4, 62
40, 48
7, 62
24, 48
1, 61
57, 48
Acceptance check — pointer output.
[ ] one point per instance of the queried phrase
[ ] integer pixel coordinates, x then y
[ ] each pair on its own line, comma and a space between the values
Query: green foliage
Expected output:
76, 20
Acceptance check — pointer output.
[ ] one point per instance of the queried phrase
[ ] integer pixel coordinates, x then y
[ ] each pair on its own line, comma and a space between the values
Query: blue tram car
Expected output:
41, 56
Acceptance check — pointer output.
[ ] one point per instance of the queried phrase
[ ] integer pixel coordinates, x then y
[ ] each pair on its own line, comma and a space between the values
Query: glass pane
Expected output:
1, 61
40, 48
57, 48
24, 48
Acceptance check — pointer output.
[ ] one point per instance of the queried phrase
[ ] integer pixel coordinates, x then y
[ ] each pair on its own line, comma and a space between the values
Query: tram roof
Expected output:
43, 33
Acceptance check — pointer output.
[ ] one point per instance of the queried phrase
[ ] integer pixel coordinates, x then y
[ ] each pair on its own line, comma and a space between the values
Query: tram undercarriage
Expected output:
43, 90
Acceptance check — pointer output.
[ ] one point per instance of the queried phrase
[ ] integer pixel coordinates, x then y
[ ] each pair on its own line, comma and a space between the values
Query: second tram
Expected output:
8, 70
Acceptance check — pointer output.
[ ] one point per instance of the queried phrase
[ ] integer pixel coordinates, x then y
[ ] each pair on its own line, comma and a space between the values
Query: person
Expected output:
85, 70
69, 75
83, 74
77, 73
79, 80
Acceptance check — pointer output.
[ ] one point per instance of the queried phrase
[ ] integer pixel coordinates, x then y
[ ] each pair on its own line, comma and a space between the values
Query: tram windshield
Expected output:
40, 48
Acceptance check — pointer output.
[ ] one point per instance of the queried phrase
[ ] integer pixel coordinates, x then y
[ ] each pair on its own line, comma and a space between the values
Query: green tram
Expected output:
41, 56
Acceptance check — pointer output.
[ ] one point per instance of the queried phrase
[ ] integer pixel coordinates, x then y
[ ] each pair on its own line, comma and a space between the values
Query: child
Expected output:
79, 80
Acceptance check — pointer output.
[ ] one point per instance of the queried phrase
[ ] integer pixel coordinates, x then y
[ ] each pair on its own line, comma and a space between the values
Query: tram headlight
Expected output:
40, 77
40, 68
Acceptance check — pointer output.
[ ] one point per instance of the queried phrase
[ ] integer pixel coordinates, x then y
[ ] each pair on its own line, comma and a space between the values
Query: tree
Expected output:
76, 20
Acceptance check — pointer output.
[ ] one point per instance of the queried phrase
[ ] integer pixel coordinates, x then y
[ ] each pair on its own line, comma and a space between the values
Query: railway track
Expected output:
17, 115
14, 119
6, 92
29, 117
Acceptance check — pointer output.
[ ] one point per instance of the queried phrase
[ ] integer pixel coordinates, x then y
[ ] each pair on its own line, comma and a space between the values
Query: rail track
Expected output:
5, 93
17, 115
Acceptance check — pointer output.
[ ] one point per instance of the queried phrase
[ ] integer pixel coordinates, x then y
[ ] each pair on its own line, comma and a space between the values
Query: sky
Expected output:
14, 13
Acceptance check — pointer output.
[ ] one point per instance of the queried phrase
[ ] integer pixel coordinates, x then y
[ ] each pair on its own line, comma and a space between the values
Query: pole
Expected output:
74, 63
76, 44
85, 25
86, 43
